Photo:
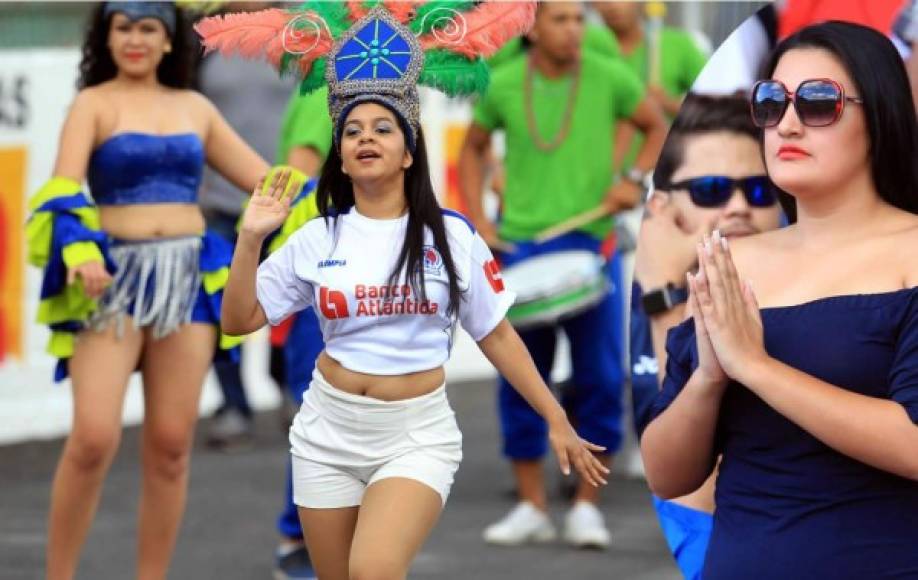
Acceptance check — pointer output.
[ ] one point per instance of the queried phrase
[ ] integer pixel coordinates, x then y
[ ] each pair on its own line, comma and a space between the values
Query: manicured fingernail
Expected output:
708, 249
723, 243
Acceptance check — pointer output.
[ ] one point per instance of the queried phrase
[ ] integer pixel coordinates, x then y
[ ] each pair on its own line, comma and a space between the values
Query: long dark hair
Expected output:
335, 193
881, 81
97, 66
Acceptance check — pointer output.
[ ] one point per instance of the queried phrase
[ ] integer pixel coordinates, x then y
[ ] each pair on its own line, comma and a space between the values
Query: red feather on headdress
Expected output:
356, 9
487, 28
268, 33
402, 10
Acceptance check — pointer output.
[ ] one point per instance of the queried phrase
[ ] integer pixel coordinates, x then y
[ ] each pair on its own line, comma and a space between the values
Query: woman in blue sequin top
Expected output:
140, 138
808, 384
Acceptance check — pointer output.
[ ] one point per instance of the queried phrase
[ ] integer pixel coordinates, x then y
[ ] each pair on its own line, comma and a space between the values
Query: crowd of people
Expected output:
772, 319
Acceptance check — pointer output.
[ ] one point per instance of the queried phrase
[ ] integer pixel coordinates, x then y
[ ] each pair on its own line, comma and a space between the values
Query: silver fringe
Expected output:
160, 277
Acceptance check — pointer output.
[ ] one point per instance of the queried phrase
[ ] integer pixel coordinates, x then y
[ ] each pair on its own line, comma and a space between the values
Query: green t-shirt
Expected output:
596, 38
680, 62
544, 188
306, 123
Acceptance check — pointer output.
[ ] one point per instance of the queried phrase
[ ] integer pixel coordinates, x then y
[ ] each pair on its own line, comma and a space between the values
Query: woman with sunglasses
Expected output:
808, 386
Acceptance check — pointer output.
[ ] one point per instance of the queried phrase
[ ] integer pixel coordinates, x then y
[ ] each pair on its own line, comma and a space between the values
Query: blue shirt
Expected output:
644, 365
788, 506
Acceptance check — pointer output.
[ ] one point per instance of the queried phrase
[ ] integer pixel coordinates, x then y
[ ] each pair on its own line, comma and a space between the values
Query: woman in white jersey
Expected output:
375, 445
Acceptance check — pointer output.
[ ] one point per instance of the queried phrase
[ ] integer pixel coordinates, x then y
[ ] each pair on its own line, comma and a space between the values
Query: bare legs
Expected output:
376, 541
99, 371
174, 369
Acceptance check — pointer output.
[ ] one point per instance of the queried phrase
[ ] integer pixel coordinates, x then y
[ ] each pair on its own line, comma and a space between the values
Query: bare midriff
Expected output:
151, 221
382, 387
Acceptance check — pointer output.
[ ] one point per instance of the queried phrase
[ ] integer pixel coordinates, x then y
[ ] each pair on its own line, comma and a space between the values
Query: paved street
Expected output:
229, 534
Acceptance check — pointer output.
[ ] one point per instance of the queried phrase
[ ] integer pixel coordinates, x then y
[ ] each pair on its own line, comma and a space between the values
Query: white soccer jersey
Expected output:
368, 325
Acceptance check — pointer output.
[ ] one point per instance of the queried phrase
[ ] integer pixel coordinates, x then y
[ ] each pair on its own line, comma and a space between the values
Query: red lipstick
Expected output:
789, 152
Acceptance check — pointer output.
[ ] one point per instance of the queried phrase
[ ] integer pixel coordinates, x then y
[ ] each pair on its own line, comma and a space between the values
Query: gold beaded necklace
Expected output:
565, 127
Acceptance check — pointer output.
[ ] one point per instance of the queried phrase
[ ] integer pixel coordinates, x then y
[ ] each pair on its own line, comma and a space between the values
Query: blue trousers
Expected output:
229, 372
596, 339
304, 343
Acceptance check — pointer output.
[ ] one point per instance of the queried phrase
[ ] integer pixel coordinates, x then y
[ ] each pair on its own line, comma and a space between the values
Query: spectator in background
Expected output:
306, 131
710, 175
253, 108
667, 60
558, 106
596, 38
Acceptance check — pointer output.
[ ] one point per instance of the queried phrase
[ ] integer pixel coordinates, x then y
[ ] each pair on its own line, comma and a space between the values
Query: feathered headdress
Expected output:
375, 50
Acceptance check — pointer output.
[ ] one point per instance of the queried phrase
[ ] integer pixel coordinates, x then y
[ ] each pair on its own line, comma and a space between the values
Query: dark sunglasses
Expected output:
818, 102
716, 190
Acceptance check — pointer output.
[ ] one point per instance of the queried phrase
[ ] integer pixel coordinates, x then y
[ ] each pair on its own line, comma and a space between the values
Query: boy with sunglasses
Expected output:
710, 175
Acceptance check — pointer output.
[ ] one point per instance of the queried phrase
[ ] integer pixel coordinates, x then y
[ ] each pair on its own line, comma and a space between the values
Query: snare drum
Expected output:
554, 286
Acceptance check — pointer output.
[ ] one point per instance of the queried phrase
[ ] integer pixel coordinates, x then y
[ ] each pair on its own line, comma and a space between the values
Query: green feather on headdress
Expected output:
436, 14
454, 74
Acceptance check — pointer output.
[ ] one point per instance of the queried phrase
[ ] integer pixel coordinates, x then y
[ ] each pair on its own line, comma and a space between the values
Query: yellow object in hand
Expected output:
294, 184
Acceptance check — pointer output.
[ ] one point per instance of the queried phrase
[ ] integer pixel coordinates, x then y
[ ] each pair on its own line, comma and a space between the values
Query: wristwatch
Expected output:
636, 176
662, 299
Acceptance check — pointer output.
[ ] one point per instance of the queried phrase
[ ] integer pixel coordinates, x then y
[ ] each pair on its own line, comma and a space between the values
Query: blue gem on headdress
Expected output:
377, 51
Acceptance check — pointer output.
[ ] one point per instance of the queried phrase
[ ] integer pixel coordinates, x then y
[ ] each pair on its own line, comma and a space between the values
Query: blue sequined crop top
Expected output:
140, 168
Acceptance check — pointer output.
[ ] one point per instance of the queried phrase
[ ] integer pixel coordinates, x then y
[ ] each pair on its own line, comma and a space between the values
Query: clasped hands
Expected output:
728, 324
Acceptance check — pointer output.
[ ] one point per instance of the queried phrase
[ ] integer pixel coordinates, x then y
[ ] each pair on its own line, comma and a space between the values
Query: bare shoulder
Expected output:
753, 253
902, 245
88, 100
194, 100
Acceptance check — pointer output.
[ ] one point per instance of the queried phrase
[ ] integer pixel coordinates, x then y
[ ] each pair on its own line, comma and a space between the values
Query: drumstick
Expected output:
571, 224
655, 12
503, 246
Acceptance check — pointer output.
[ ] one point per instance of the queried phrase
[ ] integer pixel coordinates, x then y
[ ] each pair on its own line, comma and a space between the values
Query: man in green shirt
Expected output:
667, 60
306, 132
558, 107
596, 38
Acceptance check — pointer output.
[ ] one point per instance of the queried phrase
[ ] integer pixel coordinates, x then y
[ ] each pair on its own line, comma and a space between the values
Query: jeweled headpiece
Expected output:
375, 51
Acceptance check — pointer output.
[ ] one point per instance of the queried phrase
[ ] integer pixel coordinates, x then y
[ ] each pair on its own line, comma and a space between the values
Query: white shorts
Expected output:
341, 443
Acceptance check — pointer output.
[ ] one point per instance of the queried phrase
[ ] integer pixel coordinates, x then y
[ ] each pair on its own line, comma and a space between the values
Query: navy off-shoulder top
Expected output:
788, 506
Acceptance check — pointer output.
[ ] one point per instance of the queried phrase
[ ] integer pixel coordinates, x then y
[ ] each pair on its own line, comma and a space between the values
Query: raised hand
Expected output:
570, 448
729, 308
665, 251
268, 207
